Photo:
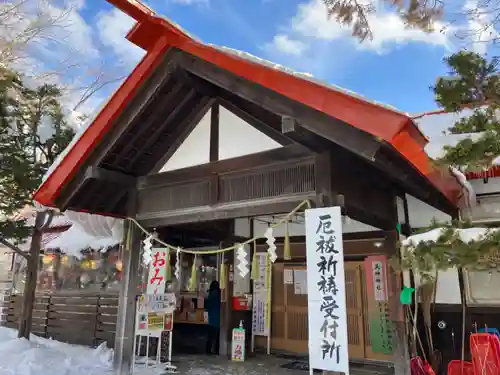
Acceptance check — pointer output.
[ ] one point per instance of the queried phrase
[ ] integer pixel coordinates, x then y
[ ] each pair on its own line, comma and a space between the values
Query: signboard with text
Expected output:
378, 304
327, 314
157, 272
261, 308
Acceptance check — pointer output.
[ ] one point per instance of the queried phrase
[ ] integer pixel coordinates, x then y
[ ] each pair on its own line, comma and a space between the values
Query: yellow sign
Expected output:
155, 322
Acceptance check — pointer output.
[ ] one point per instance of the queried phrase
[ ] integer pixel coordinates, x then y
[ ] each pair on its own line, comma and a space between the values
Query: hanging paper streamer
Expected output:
168, 267
192, 281
270, 240
287, 254
268, 290
222, 276
241, 255
406, 295
147, 250
255, 263
178, 265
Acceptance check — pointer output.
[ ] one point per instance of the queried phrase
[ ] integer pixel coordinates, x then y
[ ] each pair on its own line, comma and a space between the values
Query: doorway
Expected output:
289, 325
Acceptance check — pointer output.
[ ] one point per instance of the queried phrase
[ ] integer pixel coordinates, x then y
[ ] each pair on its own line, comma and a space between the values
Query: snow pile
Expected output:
48, 357
75, 239
462, 180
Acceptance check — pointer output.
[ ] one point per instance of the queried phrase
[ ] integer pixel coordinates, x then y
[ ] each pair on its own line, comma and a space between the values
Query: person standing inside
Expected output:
212, 306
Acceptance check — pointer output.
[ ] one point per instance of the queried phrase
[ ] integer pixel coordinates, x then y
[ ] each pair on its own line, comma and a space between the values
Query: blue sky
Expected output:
397, 67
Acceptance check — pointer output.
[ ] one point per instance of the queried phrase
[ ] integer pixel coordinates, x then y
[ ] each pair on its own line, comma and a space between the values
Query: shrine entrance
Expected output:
289, 327
316, 144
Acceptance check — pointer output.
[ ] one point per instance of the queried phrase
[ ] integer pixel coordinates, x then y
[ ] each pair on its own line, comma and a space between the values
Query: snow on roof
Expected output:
301, 75
466, 235
75, 239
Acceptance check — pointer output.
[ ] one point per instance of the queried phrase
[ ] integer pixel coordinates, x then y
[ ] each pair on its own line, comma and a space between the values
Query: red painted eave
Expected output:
156, 35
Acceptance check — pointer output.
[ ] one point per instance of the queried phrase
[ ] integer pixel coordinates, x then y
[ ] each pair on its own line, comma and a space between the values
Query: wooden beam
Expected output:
265, 158
138, 105
176, 109
111, 176
214, 133
345, 135
323, 179
397, 169
264, 128
162, 113
182, 131
224, 211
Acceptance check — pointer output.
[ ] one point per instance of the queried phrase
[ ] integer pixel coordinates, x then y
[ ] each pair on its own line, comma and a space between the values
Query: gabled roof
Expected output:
157, 35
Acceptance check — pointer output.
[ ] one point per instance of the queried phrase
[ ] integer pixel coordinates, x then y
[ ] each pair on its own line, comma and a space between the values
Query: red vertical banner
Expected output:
378, 292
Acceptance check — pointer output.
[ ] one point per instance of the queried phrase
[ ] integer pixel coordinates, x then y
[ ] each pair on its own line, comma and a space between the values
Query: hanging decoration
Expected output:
270, 240
178, 265
222, 276
241, 255
255, 263
287, 253
168, 268
405, 297
147, 250
192, 280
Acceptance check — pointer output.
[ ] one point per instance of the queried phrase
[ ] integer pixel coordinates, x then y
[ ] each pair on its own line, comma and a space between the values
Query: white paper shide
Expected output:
326, 290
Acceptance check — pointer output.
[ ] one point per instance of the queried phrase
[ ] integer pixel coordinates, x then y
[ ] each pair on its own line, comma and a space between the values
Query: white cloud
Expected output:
190, 2
311, 21
112, 27
283, 43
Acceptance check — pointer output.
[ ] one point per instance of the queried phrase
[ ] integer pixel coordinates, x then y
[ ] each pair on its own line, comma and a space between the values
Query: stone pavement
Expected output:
260, 365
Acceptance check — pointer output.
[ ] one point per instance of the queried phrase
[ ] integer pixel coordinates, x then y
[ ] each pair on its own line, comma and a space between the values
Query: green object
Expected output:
406, 295
381, 333
398, 228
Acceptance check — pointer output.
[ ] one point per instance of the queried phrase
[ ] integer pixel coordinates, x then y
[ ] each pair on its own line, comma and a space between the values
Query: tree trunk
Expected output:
31, 277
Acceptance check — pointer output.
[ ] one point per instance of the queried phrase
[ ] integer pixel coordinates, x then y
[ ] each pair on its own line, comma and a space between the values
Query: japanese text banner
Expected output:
327, 313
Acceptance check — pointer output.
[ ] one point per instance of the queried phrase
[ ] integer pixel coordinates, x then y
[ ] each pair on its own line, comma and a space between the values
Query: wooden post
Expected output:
42, 221
125, 324
401, 355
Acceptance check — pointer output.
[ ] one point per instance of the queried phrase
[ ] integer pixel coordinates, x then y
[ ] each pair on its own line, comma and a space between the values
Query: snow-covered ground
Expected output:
49, 357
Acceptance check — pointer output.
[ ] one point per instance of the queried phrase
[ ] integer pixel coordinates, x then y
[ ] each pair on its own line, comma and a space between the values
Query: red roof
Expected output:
156, 35
492, 172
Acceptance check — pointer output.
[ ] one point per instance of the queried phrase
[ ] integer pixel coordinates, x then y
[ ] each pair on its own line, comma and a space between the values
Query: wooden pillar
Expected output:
125, 330
226, 306
323, 180
214, 132
401, 355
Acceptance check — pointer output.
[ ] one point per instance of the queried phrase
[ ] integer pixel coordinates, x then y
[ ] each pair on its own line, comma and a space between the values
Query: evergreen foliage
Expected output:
33, 131
473, 83
449, 251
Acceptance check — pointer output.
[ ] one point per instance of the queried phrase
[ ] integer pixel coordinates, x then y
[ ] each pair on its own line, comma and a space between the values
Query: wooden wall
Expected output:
84, 319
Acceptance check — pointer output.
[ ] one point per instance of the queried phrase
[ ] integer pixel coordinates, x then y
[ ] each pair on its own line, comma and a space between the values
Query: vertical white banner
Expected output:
157, 272
327, 314
261, 308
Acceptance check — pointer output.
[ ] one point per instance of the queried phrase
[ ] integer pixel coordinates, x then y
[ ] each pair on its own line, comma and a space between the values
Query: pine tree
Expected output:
473, 83
33, 131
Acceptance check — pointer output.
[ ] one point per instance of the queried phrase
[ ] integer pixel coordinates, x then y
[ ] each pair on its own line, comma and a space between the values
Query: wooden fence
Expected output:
84, 319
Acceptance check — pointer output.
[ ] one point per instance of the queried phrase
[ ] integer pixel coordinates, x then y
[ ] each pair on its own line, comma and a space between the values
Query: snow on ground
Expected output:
49, 357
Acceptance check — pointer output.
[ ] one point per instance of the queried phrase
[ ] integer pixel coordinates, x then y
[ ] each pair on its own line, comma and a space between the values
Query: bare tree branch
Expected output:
13, 247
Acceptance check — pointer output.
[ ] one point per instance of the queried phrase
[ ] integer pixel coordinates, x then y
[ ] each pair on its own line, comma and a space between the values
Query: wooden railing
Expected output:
203, 187
84, 319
